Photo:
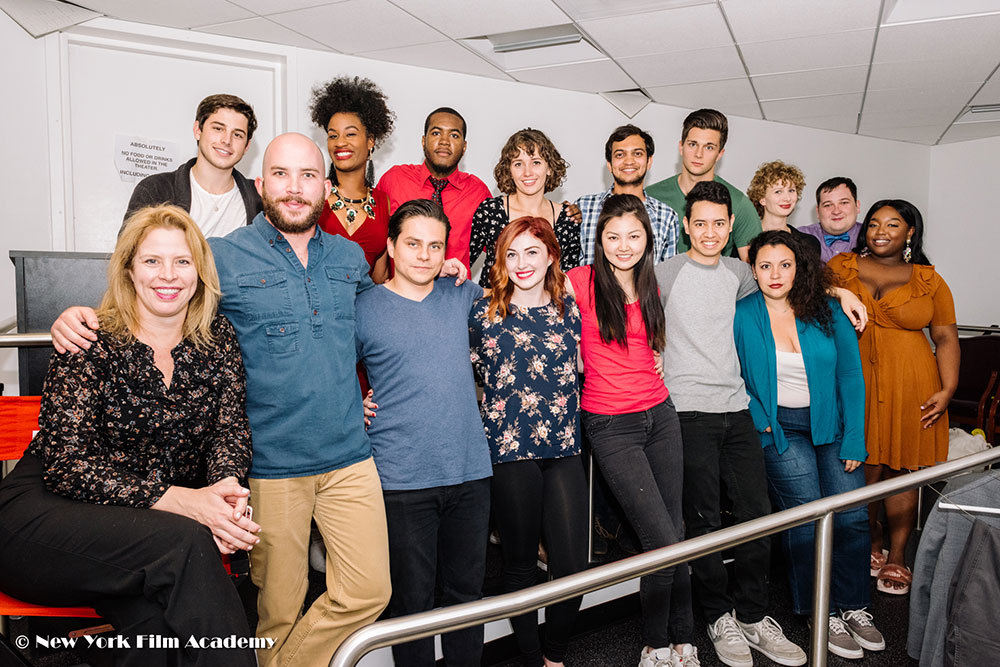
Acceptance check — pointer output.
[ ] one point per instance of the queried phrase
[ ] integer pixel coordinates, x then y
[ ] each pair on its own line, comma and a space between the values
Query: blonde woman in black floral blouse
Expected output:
524, 339
529, 168
131, 489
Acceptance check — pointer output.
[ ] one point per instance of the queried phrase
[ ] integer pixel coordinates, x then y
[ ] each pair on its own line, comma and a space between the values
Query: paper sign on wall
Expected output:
138, 157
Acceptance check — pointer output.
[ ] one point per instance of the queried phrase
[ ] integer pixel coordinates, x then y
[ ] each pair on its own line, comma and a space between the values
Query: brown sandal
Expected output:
878, 561
895, 574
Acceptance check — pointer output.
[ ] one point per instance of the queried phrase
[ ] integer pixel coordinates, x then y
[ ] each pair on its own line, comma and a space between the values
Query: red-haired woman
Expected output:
524, 339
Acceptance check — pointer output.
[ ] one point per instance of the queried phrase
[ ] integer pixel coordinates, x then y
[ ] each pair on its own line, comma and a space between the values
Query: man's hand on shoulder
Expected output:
74, 330
454, 267
573, 211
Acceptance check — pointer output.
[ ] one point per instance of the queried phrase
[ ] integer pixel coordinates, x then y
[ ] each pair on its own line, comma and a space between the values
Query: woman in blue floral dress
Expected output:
524, 337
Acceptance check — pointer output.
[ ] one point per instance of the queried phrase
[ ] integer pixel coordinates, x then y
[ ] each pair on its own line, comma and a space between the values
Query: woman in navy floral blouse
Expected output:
131, 488
524, 339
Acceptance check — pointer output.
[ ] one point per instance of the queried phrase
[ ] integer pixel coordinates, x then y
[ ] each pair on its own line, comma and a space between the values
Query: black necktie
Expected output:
439, 185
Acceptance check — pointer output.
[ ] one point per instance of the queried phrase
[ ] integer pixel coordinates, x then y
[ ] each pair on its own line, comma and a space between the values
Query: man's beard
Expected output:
281, 223
635, 180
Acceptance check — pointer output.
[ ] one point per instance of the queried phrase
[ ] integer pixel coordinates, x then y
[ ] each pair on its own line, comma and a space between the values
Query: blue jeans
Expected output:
639, 454
803, 473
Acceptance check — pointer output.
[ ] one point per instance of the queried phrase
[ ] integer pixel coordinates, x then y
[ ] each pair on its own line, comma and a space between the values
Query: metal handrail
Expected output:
25, 340
426, 624
43, 339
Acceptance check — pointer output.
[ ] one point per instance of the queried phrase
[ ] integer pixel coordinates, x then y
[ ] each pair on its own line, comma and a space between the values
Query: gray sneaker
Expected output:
859, 624
766, 636
840, 642
730, 644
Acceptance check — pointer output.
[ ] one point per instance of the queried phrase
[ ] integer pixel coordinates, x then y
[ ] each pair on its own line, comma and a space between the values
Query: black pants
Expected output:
723, 448
541, 499
438, 536
146, 572
639, 454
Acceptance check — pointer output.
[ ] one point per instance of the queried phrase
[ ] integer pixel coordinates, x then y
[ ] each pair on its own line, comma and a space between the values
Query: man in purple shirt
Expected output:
837, 207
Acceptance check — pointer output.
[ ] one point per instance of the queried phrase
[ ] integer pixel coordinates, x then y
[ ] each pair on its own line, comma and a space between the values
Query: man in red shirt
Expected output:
438, 178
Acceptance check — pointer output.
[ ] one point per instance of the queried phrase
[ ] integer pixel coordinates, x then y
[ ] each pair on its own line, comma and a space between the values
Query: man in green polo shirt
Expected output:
703, 141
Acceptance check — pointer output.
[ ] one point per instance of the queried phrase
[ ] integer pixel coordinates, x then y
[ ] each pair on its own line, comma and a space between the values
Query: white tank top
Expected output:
793, 388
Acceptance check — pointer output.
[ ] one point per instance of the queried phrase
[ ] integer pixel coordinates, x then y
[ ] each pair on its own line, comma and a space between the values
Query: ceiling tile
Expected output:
669, 31
583, 10
712, 94
841, 49
840, 123
990, 93
175, 14
913, 73
969, 131
447, 55
265, 7
831, 81
743, 110
688, 67
954, 96
812, 107
593, 77
263, 30
922, 134
766, 20
333, 25
921, 10
969, 39
474, 18
877, 120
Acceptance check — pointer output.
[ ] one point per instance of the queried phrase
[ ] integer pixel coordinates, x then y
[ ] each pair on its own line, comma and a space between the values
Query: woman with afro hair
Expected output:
353, 112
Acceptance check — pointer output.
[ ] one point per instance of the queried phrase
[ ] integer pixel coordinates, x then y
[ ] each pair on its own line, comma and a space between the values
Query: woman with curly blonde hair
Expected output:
775, 190
529, 167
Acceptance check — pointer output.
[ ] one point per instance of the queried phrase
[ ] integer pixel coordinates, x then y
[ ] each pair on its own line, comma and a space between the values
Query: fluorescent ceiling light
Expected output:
984, 108
536, 38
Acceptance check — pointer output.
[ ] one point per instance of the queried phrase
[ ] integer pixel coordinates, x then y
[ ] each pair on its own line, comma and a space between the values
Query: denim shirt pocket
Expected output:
265, 295
282, 338
343, 282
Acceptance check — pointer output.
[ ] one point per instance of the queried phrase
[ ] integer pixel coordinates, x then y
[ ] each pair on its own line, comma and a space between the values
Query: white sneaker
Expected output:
767, 637
686, 658
730, 644
655, 657
317, 553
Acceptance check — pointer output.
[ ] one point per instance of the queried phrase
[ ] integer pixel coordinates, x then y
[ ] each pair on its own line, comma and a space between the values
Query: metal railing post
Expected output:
821, 589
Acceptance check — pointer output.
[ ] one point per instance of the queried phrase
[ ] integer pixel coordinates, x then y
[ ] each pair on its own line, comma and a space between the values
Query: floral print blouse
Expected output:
112, 433
527, 365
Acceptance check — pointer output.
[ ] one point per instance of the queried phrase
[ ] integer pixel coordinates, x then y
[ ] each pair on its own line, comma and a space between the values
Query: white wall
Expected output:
24, 167
963, 235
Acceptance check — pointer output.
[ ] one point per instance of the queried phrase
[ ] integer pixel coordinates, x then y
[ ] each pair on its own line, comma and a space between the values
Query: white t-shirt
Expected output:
217, 215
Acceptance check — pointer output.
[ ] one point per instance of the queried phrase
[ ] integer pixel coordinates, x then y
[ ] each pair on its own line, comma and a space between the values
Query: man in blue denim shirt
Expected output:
288, 289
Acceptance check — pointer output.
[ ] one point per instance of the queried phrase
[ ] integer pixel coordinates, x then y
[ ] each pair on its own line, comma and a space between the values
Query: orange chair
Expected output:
18, 422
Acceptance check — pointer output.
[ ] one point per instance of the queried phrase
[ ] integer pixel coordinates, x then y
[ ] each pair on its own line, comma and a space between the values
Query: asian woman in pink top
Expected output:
628, 416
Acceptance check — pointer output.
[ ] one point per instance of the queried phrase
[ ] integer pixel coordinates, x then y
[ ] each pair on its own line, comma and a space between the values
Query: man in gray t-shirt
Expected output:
427, 439
699, 290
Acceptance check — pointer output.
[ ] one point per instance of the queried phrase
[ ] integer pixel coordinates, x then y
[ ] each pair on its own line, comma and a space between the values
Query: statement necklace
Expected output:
367, 203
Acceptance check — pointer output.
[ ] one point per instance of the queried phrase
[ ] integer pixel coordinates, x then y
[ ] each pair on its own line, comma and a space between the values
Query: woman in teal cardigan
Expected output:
802, 369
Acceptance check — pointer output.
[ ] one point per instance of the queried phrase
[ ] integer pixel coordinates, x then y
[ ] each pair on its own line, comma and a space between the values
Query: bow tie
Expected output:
830, 238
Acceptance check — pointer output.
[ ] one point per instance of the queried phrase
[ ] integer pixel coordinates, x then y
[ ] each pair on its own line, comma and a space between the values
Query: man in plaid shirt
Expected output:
629, 153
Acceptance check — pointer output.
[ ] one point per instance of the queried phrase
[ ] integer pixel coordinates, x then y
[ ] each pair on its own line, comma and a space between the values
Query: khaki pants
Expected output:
348, 509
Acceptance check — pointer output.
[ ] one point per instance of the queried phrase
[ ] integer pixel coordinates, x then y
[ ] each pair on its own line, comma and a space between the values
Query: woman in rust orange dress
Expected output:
907, 384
